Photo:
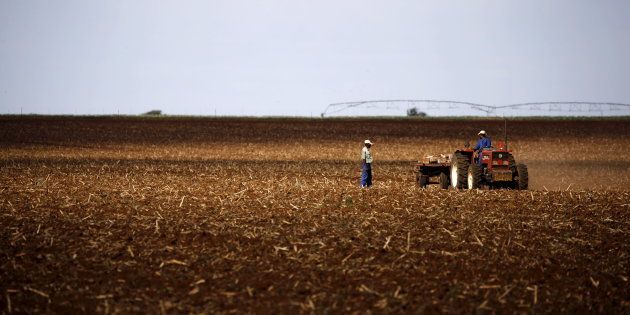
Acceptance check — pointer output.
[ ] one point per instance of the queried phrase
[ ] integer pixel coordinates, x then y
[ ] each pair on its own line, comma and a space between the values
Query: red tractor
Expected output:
463, 169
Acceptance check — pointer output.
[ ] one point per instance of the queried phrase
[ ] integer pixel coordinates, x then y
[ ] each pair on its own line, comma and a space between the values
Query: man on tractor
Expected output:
483, 143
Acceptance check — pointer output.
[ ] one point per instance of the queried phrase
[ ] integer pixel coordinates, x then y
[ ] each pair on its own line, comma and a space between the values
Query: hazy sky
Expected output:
295, 57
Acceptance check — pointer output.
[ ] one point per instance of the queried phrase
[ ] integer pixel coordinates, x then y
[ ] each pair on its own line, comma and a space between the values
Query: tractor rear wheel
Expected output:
459, 169
512, 162
444, 181
522, 181
474, 176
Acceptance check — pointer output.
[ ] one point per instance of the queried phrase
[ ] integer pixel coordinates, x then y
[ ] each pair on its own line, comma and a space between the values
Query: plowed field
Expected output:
191, 215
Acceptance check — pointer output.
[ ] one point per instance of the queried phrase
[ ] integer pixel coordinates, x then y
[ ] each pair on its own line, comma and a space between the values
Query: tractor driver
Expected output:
483, 143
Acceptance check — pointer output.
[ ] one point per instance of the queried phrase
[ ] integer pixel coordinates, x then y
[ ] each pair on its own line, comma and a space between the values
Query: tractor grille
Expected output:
502, 176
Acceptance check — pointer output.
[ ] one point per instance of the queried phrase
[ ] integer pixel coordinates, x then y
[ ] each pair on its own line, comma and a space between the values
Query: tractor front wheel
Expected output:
522, 179
474, 176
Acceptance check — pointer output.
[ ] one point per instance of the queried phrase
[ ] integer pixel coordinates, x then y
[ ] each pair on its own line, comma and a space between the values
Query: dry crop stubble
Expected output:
208, 227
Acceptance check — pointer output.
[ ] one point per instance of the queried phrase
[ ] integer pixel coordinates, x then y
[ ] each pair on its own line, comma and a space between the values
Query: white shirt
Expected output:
366, 155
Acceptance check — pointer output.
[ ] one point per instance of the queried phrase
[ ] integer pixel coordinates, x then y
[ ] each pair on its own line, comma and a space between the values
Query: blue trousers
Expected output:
480, 157
366, 175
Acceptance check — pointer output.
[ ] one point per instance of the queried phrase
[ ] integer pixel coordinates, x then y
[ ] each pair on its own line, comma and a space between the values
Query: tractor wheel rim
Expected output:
454, 175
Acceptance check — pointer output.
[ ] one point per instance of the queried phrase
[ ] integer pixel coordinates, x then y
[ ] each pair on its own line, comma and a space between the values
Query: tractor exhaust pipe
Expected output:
505, 133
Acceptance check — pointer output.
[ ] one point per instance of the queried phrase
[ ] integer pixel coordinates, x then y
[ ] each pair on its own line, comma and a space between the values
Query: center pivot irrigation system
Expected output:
542, 108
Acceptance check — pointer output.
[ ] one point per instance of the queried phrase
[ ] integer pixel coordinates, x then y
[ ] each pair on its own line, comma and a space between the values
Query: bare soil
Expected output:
197, 215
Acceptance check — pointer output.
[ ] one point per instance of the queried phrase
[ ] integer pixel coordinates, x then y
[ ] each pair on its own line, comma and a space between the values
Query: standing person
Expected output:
366, 164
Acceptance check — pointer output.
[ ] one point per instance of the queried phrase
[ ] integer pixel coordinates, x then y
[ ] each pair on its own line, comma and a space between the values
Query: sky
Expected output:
294, 57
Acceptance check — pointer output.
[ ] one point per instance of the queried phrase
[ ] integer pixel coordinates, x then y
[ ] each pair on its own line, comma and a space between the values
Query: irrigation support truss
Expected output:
426, 104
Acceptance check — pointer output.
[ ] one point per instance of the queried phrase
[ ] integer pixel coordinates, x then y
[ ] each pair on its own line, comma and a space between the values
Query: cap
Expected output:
368, 142
482, 132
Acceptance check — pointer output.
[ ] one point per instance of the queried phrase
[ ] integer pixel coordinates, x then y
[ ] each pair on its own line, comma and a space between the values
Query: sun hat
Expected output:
368, 142
482, 132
